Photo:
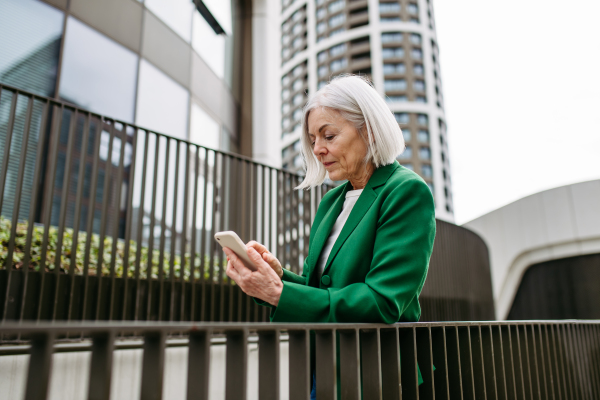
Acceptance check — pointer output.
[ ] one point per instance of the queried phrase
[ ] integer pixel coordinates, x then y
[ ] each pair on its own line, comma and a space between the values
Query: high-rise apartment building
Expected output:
394, 44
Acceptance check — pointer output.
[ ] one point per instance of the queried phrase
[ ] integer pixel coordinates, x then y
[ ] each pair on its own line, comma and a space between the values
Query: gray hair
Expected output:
358, 103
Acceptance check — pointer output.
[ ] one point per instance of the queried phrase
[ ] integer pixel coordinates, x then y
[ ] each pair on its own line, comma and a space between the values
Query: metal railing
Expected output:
468, 360
104, 220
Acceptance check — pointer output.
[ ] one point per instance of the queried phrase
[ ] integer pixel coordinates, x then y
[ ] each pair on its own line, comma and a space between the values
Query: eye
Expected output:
328, 137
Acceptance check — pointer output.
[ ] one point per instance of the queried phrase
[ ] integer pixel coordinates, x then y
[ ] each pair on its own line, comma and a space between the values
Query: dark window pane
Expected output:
30, 33
97, 73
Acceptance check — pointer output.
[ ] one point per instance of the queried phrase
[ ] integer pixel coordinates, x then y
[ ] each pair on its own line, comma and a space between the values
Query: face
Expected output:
338, 146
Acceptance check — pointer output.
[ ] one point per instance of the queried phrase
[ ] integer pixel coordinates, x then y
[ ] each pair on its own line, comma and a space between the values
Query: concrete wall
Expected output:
557, 223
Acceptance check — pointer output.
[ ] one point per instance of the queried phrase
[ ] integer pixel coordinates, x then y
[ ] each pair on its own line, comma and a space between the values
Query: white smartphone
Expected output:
231, 240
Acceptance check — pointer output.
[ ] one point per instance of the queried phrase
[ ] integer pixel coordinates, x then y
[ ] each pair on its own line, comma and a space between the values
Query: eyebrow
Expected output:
320, 129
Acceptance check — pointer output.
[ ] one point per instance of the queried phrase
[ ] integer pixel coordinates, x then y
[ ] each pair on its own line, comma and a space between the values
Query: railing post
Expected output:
299, 364
268, 365
349, 365
198, 365
153, 366
325, 342
372, 362
237, 365
40, 364
101, 366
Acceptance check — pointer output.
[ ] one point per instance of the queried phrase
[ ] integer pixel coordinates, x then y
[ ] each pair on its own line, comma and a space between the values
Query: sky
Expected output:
521, 83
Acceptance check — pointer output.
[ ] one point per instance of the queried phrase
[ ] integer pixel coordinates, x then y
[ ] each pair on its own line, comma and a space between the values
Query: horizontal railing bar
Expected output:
73, 107
20, 349
218, 327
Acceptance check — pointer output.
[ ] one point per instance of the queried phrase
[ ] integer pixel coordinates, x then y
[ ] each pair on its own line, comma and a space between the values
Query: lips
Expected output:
327, 164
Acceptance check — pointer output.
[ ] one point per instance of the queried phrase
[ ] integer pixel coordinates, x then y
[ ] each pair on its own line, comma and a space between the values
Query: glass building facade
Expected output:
156, 63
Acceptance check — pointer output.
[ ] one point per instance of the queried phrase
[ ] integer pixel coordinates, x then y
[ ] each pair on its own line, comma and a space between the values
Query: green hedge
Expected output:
66, 255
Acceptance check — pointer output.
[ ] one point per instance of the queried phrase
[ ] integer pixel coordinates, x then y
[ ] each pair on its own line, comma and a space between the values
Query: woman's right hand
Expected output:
267, 256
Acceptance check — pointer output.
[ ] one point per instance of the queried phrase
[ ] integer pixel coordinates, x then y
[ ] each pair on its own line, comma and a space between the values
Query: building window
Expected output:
396, 99
298, 99
416, 54
423, 136
297, 29
408, 166
297, 70
413, 9
406, 134
402, 118
425, 153
203, 129
394, 85
100, 74
444, 174
285, 52
430, 187
321, 84
421, 99
336, 32
443, 156
422, 119
418, 69
389, 8
389, 69
337, 20
321, 27
426, 171
415, 38
285, 108
297, 42
392, 52
336, 6
321, 13
419, 85
387, 20
323, 70
337, 50
322, 56
338, 64
407, 153
414, 20
297, 115
298, 84
391, 37
446, 192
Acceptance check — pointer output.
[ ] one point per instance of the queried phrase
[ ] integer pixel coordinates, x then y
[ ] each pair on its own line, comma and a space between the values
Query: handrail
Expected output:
483, 360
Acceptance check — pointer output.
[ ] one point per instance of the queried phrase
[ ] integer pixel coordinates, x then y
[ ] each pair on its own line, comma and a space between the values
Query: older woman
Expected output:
372, 237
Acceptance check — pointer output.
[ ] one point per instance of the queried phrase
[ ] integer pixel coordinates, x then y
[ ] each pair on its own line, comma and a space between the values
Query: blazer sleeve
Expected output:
288, 276
401, 252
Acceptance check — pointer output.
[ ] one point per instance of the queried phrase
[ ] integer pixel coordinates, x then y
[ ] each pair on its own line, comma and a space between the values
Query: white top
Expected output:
351, 197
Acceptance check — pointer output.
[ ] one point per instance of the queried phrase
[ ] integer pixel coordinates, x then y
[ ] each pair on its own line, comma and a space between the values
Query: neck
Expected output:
360, 182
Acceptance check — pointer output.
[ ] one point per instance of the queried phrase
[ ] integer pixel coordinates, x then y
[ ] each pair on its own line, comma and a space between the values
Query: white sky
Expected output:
521, 80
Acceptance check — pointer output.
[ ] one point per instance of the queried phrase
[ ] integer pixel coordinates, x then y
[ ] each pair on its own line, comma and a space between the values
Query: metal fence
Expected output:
104, 220
478, 360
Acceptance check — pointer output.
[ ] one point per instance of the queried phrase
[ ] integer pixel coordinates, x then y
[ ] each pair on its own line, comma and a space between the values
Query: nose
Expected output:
318, 148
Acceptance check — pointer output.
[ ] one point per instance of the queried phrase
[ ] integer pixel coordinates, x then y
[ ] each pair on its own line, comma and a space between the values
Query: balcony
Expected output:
106, 233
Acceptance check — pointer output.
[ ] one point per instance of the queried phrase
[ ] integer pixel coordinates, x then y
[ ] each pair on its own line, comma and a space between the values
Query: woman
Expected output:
371, 238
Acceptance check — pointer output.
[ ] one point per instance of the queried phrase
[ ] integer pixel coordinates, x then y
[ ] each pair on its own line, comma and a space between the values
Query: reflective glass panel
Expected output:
221, 10
177, 14
203, 129
209, 45
30, 33
162, 104
97, 73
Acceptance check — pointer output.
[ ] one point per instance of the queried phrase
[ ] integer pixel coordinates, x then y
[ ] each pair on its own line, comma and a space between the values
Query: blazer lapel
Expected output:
364, 202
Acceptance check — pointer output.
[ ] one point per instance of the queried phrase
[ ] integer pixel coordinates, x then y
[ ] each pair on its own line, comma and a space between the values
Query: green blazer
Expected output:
378, 264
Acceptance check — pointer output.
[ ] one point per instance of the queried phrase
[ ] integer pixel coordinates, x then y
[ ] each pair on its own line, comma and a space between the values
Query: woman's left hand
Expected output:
264, 283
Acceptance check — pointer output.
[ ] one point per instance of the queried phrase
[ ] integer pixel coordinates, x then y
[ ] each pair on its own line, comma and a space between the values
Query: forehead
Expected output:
321, 116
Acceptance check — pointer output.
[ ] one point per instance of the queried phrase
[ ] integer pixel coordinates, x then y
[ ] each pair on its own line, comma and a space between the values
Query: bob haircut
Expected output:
358, 103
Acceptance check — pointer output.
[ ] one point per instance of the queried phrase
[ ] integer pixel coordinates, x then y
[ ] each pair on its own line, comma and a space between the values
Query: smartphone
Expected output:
231, 240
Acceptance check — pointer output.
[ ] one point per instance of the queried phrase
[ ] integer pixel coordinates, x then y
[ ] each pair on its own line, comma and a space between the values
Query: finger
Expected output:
256, 258
236, 263
232, 273
257, 246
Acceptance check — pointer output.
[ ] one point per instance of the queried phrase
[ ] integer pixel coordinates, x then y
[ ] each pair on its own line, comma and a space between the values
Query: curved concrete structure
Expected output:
553, 224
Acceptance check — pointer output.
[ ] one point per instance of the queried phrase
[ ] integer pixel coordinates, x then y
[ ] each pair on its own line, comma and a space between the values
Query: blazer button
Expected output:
325, 280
